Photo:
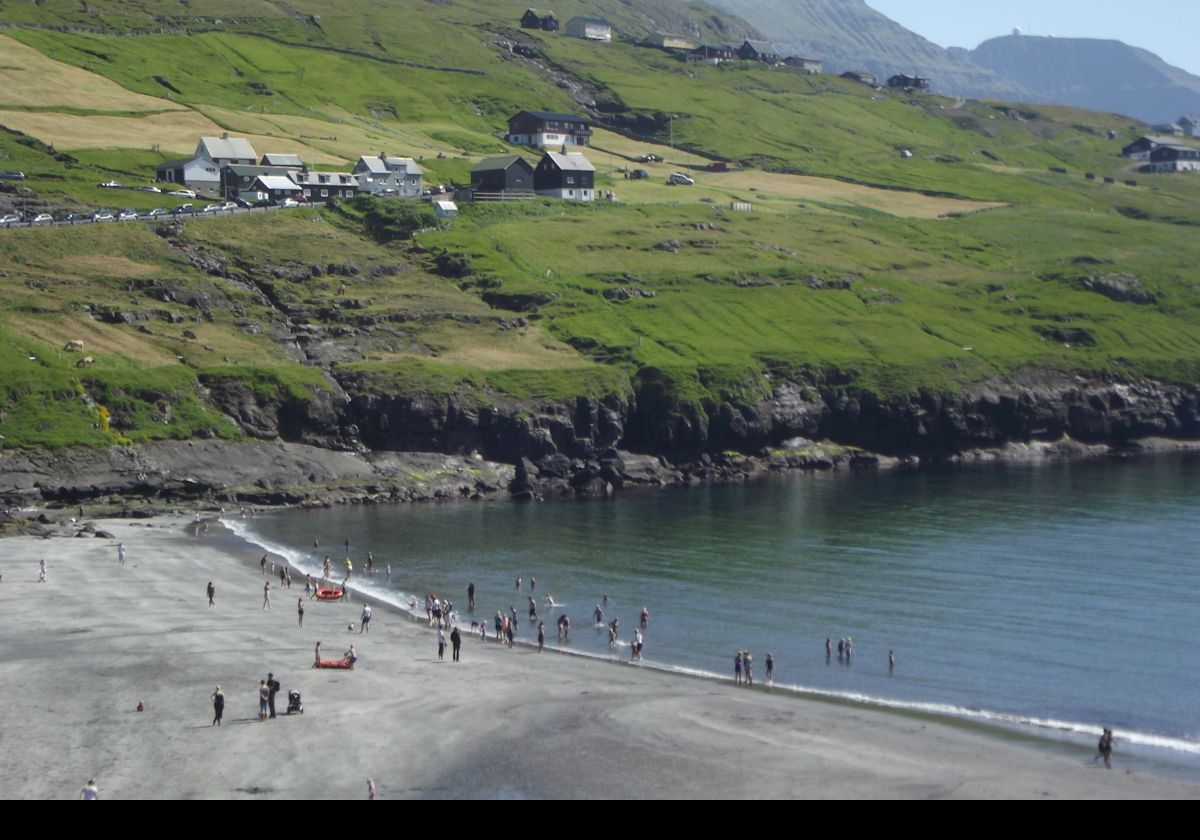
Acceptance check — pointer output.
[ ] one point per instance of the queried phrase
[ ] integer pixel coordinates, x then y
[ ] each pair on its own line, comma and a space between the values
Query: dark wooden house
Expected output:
505, 177
714, 53
903, 81
538, 19
547, 129
570, 177
763, 51
860, 77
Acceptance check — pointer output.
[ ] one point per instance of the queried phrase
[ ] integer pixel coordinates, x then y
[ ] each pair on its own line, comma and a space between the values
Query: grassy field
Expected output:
964, 262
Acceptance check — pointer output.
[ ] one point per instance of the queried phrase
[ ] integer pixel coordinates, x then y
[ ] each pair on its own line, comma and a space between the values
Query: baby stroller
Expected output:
294, 704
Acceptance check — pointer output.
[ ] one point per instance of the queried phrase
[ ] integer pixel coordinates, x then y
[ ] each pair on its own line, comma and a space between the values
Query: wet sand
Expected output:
78, 652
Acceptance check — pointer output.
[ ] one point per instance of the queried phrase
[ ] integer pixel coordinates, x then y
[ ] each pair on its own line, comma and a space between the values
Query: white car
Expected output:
111, 185
127, 215
149, 188
42, 219
10, 219
681, 178
184, 193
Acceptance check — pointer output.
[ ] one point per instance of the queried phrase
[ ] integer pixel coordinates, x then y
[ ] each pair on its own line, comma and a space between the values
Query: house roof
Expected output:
445, 204
277, 159
377, 165
310, 177
227, 147
571, 161
588, 20
553, 115
256, 169
539, 12
761, 47
497, 163
1157, 140
276, 182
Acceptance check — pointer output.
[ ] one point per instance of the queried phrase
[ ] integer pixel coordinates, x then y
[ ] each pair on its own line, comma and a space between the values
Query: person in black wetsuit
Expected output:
273, 689
218, 698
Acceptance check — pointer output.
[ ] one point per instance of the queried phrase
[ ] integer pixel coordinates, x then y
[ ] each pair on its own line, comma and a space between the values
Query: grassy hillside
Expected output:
969, 260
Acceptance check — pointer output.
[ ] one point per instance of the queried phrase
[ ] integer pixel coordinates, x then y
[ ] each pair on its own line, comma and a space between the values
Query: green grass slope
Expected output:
968, 261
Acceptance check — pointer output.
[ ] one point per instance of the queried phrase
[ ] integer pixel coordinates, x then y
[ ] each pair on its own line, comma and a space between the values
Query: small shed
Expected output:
590, 28
445, 209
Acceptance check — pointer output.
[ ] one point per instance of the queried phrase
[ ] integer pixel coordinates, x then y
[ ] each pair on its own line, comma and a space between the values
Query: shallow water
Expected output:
1054, 599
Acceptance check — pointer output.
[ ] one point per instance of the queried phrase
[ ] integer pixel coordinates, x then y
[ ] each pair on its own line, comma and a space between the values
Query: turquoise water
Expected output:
1050, 599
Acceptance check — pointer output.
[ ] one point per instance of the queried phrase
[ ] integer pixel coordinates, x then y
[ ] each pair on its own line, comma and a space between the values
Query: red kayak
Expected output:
329, 594
333, 663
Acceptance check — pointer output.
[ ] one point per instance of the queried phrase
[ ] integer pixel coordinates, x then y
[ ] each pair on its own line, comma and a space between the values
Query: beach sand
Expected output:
78, 652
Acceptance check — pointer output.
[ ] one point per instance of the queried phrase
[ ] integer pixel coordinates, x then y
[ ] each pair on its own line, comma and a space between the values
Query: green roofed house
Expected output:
497, 178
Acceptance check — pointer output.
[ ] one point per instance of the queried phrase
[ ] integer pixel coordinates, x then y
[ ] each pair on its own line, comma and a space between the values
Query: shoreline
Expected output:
501, 724
161, 479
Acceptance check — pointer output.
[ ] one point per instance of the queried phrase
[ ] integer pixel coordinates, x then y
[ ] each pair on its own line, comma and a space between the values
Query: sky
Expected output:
967, 23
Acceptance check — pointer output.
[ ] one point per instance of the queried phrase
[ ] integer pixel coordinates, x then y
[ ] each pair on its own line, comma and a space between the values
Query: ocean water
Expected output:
1051, 600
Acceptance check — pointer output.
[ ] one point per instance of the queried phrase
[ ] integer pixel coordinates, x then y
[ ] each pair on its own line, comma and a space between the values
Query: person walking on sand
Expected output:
455, 642
317, 655
371, 789
218, 701
89, 790
42, 570
212, 590
120, 554
267, 595
300, 611
264, 696
364, 620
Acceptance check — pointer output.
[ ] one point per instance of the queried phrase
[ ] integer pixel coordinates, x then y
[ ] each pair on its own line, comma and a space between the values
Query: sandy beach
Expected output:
79, 651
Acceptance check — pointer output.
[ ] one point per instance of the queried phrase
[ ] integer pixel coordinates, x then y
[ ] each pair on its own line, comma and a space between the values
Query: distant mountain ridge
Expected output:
1101, 75
850, 35
1097, 74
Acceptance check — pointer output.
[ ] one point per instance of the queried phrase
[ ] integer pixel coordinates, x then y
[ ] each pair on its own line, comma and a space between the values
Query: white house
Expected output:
196, 173
225, 150
1175, 158
389, 175
1141, 148
589, 28
1190, 125
548, 129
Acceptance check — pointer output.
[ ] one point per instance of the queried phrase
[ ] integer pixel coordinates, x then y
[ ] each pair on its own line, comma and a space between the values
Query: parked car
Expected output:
103, 216
241, 202
183, 210
42, 219
184, 193
680, 179
127, 215
289, 202
156, 213
110, 185
149, 188
639, 175
11, 175
10, 219
70, 218
227, 206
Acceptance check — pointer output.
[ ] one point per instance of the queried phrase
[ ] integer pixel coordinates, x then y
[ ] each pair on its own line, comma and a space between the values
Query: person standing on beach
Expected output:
317, 655
365, 620
42, 570
212, 590
264, 695
300, 611
770, 668
120, 554
325, 568
218, 701
541, 635
272, 689
267, 595
371, 789
737, 669
748, 664
455, 642
262, 564
89, 790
